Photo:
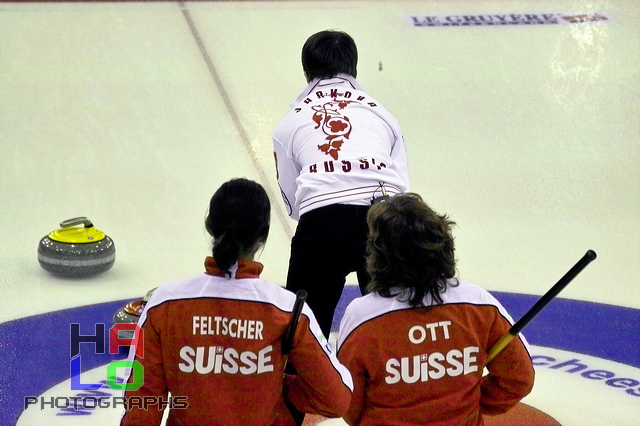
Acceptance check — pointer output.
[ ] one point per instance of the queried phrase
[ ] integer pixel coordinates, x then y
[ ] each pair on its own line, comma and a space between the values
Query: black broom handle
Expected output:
287, 341
540, 304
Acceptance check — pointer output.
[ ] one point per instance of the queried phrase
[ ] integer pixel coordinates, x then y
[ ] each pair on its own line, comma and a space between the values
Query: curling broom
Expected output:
287, 341
544, 300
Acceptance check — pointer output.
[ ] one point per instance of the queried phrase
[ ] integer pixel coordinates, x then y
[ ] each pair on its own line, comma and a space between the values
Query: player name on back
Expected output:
222, 326
436, 365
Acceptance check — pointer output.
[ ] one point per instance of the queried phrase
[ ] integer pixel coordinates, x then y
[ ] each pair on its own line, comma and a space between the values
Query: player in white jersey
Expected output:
336, 151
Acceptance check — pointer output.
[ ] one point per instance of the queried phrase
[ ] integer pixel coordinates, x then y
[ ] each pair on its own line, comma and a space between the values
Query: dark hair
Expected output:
238, 220
329, 53
410, 248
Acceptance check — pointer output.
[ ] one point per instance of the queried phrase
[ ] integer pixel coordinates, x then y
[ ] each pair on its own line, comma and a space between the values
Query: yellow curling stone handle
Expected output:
70, 233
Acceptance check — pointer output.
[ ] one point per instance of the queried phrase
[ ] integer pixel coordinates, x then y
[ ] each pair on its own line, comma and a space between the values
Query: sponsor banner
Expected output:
507, 19
578, 389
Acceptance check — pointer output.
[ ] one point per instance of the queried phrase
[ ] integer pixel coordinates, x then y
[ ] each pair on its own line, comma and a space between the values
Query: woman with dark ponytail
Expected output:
416, 346
213, 340
238, 220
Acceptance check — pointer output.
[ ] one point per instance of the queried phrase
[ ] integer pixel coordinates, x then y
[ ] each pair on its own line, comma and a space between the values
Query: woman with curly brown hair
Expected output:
417, 344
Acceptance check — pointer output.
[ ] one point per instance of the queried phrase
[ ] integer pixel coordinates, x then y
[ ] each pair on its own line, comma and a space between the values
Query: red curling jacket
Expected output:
425, 366
214, 342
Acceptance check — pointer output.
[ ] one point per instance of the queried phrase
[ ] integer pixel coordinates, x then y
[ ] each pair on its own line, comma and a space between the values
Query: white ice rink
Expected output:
132, 114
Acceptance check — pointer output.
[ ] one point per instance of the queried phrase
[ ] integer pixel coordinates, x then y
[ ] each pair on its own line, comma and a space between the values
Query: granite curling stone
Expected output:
74, 251
130, 314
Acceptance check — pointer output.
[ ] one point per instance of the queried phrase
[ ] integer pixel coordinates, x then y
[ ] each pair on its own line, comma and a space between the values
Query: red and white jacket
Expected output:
425, 366
215, 342
338, 145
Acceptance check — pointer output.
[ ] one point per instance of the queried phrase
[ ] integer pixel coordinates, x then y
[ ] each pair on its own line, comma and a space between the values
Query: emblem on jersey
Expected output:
334, 124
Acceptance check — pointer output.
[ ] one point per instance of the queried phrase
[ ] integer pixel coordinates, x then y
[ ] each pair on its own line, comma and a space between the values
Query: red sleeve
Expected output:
511, 373
348, 355
153, 384
322, 385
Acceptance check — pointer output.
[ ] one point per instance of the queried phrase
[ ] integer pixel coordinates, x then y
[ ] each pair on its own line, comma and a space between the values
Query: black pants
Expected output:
328, 245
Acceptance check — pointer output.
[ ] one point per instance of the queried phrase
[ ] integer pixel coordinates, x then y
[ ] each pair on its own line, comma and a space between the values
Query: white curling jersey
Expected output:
338, 145
415, 366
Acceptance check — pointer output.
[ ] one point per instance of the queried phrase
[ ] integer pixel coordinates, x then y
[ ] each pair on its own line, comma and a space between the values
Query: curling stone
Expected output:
74, 251
130, 314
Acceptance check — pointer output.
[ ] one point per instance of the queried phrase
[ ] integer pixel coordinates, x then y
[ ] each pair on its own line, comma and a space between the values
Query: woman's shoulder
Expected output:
459, 291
